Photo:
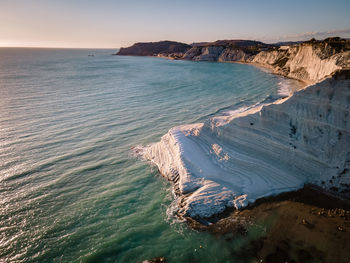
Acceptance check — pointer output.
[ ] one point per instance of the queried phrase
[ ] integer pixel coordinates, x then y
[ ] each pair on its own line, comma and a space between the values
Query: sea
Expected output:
71, 188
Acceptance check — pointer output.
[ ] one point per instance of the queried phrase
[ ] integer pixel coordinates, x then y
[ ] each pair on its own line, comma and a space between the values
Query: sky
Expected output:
114, 24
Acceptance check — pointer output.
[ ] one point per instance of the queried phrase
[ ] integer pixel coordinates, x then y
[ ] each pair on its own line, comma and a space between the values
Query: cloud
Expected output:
308, 35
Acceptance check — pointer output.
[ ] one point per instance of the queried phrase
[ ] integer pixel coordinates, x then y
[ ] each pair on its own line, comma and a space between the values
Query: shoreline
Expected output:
177, 135
246, 174
317, 196
268, 67
294, 221
303, 83
214, 223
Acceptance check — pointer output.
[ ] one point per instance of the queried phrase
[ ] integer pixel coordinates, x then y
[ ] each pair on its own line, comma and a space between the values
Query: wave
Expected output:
48, 163
284, 88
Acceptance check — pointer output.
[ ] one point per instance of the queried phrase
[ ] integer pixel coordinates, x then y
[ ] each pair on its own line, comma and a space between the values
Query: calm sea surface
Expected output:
70, 188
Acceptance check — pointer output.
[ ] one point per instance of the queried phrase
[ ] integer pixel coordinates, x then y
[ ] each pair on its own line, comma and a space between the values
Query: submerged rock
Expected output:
155, 260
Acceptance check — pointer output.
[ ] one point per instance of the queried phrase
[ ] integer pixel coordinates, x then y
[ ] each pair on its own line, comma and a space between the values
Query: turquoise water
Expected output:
70, 188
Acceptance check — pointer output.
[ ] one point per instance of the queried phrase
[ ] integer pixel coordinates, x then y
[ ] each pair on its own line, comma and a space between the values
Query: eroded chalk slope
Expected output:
232, 160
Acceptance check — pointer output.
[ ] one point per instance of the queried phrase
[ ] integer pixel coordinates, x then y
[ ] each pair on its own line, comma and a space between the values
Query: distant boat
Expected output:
91, 55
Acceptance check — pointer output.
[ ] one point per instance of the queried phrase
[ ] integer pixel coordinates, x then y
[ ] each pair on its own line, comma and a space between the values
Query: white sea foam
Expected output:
284, 88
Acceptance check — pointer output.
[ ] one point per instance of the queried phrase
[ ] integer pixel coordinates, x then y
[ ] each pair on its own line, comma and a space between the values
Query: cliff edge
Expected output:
308, 61
231, 161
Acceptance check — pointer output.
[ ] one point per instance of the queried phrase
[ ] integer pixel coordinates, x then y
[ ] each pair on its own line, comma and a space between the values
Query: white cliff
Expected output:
230, 161
208, 53
305, 62
309, 61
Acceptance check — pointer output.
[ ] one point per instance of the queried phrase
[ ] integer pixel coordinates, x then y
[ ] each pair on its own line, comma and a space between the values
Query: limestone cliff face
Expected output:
309, 132
208, 53
309, 61
230, 161
219, 53
232, 54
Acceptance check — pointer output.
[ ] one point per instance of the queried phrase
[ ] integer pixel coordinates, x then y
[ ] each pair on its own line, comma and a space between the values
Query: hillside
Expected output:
154, 49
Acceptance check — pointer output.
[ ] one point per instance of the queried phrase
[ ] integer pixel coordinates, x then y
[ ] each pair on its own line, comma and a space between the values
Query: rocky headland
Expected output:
231, 161
252, 158
170, 49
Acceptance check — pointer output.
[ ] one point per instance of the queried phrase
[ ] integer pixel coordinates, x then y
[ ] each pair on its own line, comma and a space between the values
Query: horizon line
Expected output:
65, 47
49, 47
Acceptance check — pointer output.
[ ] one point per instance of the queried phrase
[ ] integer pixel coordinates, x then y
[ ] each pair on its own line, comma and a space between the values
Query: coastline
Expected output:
304, 83
205, 200
309, 224
270, 69
188, 153
193, 156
